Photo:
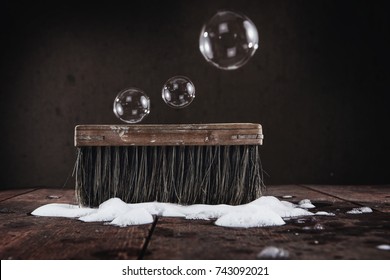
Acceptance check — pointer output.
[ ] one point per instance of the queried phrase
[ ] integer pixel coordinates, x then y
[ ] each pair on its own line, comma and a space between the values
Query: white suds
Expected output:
62, 210
306, 203
133, 217
360, 210
250, 217
323, 213
264, 211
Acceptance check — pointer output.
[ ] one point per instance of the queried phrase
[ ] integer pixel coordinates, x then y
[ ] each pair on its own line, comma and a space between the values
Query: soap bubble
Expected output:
131, 105
228, 40
178, 92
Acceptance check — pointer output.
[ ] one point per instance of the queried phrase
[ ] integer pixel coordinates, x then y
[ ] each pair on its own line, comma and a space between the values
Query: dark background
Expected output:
319, 83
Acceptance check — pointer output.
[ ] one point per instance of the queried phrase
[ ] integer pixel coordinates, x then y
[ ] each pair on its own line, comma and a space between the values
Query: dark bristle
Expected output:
177, 174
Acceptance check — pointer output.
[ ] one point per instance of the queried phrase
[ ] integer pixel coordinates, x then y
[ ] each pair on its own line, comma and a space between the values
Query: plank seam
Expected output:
335, 196
19, 194
147, 240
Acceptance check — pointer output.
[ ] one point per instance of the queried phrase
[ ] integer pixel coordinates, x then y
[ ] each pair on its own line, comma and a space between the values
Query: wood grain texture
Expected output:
29, 237
377, 197
169, 135
6, 194
343, 236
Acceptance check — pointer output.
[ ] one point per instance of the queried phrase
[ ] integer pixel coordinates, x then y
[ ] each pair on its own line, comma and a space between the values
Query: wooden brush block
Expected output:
169, 134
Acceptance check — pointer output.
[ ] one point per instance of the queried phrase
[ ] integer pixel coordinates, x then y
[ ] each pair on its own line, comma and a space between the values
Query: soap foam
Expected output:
360, 210
264, 211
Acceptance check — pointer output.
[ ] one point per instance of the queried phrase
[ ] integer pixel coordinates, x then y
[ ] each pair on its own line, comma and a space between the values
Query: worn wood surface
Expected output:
169, 135
377, 197
343, 236
24, 236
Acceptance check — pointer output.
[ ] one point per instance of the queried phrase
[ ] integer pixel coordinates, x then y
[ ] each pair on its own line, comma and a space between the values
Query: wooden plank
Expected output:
376, 197
347, 237
295, 193
343, 236
29, 237
27, 202
169, 135
6, 194
60, 238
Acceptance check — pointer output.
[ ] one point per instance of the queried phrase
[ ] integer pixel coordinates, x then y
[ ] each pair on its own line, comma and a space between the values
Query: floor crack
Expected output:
147, 239
335, 196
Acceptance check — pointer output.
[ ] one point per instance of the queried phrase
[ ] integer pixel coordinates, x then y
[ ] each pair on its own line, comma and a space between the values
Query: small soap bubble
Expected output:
178, 92
228, 40
131, 105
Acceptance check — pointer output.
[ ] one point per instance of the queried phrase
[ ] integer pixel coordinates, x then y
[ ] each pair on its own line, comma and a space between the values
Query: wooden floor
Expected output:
343, 236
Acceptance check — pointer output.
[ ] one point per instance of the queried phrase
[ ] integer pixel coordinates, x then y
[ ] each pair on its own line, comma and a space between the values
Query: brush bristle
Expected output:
177, 174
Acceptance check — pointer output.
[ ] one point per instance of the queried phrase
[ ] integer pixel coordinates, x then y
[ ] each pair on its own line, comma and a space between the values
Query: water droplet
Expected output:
301, 221
178, 92
53, 197
131, 105
228, 40
385, 247
272, 252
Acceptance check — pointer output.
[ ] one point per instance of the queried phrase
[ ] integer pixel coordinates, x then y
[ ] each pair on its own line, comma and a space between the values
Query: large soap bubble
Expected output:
228, 40
131, 105
178, 92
